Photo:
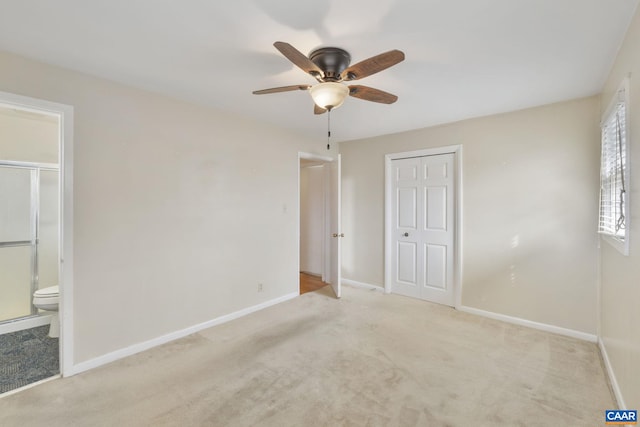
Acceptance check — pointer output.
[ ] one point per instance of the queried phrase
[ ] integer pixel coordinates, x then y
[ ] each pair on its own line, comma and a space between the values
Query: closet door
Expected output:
423, 227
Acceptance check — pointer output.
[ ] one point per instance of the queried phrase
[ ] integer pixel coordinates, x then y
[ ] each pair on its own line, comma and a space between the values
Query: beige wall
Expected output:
620, 289
530, 191
28, 137
180, 210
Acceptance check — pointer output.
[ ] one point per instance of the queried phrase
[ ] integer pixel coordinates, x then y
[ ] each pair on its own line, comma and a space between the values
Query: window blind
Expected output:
613, 168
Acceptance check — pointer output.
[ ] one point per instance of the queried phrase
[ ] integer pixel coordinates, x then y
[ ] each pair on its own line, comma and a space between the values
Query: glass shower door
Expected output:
17, 241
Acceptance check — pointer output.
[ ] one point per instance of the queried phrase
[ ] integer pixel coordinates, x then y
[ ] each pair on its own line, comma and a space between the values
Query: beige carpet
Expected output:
365, 360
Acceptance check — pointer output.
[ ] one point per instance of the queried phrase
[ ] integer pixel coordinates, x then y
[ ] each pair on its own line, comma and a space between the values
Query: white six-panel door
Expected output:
423, 227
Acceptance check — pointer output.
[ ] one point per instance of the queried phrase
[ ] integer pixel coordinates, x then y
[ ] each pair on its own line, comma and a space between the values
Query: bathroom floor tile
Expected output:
26, 357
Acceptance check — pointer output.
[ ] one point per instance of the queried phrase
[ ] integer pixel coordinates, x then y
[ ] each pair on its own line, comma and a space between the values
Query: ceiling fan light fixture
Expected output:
329, 95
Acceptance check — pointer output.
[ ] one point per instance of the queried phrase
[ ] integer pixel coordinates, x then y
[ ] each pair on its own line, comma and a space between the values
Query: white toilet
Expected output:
48, 299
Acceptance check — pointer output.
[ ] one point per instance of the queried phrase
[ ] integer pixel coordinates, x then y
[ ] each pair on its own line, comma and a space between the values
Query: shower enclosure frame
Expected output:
64, 113
34, 223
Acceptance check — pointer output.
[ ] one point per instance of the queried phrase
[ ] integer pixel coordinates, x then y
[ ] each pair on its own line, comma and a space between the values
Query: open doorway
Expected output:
319, 207
312, 225
35, 187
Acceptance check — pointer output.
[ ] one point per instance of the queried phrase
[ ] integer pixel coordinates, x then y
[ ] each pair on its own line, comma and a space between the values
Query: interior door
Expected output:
334, 169
423, 227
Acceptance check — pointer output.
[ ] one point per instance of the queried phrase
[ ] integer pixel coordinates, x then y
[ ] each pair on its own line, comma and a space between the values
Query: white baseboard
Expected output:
146, 345
28, 323
530, 324
362, 285
612, 376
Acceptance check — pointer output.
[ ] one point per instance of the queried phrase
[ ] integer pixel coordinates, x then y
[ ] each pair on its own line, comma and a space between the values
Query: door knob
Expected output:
406, 234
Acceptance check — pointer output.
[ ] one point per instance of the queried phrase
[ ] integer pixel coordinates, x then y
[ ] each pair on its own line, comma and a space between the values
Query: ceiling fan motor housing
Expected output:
332, 60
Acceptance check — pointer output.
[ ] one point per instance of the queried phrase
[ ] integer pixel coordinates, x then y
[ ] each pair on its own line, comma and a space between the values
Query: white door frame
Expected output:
388, 206
326, 242
65, 280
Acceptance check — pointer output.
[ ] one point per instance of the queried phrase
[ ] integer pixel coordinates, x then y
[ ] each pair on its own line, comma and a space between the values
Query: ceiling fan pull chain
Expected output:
328, 129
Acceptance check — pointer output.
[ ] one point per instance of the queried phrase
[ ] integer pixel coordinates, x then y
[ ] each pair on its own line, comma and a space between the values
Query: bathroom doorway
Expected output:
32, 142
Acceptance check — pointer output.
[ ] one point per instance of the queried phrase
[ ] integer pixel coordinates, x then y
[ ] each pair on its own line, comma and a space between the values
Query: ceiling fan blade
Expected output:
372, 65
318, 110
299, 59
281, 89
371, 94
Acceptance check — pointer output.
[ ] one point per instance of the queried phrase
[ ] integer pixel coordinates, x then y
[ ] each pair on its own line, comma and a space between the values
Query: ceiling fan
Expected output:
330, 67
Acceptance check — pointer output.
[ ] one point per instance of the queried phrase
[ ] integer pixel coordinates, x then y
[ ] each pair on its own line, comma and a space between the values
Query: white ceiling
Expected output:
464, 58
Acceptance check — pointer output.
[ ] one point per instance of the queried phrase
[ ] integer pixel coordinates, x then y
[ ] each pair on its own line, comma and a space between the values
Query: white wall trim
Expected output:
531, 324
146, 345
65, 115
388, 158
28, 323
612, 376
362, 285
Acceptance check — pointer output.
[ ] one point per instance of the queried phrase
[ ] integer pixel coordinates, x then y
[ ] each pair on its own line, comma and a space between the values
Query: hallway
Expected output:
310, 283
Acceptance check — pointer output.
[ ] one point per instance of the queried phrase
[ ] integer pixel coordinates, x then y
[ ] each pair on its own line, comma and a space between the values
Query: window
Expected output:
614, 172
